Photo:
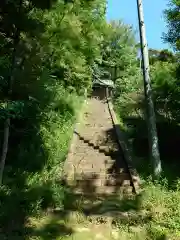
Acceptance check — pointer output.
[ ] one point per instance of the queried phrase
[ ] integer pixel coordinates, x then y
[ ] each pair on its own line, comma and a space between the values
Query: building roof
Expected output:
104, 82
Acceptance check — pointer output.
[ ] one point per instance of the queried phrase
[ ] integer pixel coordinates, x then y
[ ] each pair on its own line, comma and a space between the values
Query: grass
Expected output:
159, 200
32, 178
35, 205
159, 210
152, 214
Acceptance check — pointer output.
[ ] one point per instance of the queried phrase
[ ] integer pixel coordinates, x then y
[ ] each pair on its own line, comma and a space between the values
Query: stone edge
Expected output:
74, 138
124, 144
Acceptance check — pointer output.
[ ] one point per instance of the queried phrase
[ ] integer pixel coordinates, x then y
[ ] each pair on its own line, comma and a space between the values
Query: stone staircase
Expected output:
96, 166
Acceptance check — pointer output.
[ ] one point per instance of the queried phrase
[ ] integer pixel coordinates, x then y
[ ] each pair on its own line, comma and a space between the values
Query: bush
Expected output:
32, 179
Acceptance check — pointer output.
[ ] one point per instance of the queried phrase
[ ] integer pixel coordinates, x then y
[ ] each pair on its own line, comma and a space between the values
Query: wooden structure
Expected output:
102, 88
102, 84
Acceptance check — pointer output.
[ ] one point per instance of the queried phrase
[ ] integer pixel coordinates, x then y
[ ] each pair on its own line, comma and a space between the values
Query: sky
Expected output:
153, 16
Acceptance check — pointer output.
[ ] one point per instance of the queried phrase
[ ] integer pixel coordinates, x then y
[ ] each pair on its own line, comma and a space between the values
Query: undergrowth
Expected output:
158, 204
153, 214
32, 179
157, 215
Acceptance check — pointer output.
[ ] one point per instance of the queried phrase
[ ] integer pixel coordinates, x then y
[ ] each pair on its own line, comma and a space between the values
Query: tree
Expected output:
173, 20
45, 48
73, 39
119, 57
118, 49
14, 20
164, 55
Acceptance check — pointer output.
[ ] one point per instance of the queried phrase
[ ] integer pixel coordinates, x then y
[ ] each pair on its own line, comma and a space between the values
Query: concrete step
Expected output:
105, 184
117, 182
100, 175
100, 179
104, 191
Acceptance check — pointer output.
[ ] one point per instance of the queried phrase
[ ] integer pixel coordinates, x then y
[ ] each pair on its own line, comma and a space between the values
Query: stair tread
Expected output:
106, 190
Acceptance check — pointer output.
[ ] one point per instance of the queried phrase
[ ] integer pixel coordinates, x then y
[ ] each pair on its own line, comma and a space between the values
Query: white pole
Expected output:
151, 120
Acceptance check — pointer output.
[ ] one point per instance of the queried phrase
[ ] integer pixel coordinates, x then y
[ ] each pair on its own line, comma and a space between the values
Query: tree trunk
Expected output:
11, 80
7, 121
4, 148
